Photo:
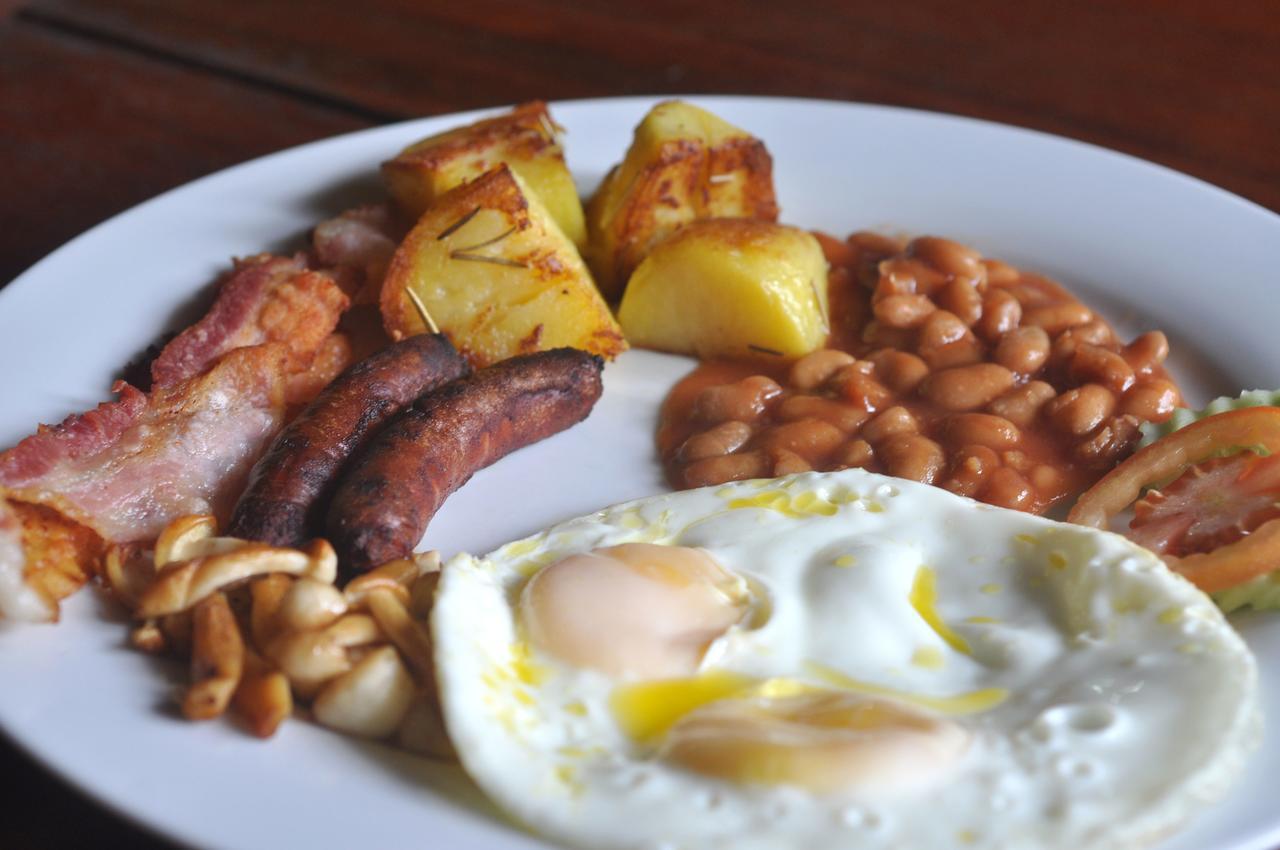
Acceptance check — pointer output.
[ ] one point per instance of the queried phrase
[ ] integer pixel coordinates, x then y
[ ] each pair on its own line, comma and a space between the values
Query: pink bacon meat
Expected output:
130, 466
356, 247
264, 299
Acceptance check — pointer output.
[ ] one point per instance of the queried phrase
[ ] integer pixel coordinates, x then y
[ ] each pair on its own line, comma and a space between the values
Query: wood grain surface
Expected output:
104, 104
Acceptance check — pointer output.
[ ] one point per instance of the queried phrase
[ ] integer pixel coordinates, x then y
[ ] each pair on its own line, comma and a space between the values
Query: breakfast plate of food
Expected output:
848, 478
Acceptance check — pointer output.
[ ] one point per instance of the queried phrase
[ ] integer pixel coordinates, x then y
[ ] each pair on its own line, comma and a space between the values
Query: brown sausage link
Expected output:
288, 487
397, 483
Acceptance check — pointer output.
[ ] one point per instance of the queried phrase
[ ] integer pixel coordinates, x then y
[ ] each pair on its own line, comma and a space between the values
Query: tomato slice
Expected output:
1191, 523
1212, 504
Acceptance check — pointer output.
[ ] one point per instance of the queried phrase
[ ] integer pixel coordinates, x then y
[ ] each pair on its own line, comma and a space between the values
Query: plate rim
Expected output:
29, 277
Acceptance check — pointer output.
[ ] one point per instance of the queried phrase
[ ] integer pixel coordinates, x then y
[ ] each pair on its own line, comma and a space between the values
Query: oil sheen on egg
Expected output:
838, 660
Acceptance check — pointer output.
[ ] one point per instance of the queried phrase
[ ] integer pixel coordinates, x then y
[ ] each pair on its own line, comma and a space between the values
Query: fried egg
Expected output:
837, 660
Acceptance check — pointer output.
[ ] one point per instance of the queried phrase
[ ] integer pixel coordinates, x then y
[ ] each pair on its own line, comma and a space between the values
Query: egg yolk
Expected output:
825, 741
637, 609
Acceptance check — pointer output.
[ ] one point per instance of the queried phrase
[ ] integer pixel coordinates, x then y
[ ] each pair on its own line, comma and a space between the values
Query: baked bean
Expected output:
1115, 439
1147, 352
725, 438
963, 299
846, 417
967, 387
744, 401
970, 469
856, 454
1015, 459
945, 341
908, 274
947, 256
901, 371
813, 370
1000, 273
812, 439
734, 467
1022, 405
876, 243
982, 429
912, 456
1048, 481
855, 385
1069, 341
789, 463
1023, 350
895, 420
903, 311
1056, 318
1007, 488
1001, 313
1096, 332
879, 335
1081, 410
1095, 364
1153, 400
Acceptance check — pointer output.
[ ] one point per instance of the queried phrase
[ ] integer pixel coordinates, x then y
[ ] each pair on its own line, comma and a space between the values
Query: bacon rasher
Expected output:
356, 247
128, 467
264, 299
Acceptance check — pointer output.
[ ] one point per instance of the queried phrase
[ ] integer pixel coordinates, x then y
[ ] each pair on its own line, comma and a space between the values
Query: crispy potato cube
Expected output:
730, 288
525, 138
488, 266
684, 164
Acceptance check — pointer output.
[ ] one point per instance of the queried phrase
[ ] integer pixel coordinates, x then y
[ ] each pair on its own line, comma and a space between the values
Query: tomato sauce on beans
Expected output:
943, 366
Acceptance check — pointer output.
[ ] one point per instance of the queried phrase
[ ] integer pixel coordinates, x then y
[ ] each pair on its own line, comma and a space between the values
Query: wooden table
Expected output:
104, 103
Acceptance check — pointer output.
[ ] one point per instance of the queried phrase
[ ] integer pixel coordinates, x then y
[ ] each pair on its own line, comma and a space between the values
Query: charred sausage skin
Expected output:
288, 487
391, 491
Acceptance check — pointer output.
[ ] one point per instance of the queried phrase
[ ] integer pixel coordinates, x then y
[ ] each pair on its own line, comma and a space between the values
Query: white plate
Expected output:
1152, 248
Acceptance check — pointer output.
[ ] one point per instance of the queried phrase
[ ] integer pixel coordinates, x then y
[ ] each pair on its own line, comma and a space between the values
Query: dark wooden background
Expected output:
104, 103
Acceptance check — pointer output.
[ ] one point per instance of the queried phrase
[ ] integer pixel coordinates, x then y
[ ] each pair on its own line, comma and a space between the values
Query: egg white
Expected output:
1130, 701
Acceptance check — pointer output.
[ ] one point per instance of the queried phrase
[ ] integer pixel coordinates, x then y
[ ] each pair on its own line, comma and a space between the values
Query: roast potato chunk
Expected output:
683, 165
489, 267
730, 288
525, 138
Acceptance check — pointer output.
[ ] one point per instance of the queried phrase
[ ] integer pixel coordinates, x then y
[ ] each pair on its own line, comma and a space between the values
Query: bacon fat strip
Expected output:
393, 489
288, 486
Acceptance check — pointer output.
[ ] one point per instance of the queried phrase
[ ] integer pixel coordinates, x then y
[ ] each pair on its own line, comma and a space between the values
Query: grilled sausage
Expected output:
392, 490
289, 485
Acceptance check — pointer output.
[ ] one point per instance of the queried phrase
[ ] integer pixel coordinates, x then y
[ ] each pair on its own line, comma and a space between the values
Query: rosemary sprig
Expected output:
547, 126
453, 227
486, 243
481, 258
422, 311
